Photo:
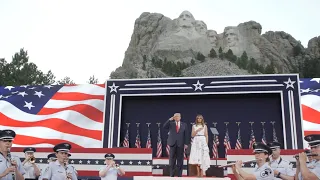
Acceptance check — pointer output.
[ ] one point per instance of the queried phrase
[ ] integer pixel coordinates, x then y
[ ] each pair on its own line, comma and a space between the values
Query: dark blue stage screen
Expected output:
215, 108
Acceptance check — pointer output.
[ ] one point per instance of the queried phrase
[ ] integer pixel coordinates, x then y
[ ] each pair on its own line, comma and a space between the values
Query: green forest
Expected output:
20, 71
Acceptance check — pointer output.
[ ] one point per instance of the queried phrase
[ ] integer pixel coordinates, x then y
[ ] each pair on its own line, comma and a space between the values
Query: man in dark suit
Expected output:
177, 140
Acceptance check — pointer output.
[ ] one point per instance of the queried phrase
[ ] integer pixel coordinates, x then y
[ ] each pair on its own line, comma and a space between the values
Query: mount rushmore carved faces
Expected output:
212, 37
186, 19
201, 27
231, 34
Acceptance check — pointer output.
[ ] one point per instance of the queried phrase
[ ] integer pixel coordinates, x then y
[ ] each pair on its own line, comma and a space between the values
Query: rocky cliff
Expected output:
162, 47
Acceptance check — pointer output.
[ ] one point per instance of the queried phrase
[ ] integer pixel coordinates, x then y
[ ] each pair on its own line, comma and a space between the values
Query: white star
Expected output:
39, 94
48, 86
242, 164
122, 162
1, 96
80, 162
305, 90
158, 166
9, 87
139, 162
22, 93
130, 162
15, 92
25, 86
113, 88
72, 161
198, 86
97, 162
251, 164
148, 162
88, 162
28, 105
289, 83
40, 160
316, 79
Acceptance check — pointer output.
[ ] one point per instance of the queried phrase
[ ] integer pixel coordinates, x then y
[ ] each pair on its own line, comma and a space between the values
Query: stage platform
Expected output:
181, 178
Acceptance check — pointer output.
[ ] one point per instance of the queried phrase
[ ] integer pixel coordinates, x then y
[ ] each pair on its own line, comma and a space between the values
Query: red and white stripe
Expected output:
168, 150
311, 114
74, 115
159, 149
215, 147
238, 144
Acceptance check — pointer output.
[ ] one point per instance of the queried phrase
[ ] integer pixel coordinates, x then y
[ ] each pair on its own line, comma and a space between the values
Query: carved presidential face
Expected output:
231, 35
185, 19
201, 27
212, 36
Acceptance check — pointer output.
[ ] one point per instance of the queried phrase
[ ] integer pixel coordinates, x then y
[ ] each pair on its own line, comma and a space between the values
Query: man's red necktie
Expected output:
177, 127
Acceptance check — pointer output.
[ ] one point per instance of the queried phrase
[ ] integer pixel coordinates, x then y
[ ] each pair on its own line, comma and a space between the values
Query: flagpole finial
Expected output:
148, 124
238, 123
251, 123
263, 123
226, 123
159, 124
128, 124
272, 122
214, 124
138, 124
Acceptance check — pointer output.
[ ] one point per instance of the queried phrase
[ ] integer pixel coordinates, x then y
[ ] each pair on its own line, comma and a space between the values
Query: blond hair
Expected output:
202, 119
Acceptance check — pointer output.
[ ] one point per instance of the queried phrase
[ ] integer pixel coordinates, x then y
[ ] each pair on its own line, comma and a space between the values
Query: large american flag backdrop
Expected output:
43, 116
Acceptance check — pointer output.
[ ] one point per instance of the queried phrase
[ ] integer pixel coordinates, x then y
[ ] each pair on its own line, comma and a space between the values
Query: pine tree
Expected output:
201, 57
213, 53
192, 62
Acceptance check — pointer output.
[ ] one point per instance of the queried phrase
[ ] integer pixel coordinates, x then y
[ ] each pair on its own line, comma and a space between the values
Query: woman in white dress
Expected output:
199, 154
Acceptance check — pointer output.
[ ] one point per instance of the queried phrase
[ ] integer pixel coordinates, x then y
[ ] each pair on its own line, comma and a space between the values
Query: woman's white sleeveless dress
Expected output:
199, 149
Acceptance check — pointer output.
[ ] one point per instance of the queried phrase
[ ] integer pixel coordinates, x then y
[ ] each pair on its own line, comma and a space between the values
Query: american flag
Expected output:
168, 150
43, 116
159, 144
215, 146
138, 141
264, 140
226, 142
274, 135
148, 144
252, 139
126, 139
310, 103
238, 143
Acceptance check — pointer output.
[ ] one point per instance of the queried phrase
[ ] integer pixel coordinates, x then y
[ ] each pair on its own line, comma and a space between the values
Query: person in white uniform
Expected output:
262, 170
281, 167
310, 158
111, 170
69, 165
29, 164
9, 168
303, 171
59, 170
51, 159
199, 154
